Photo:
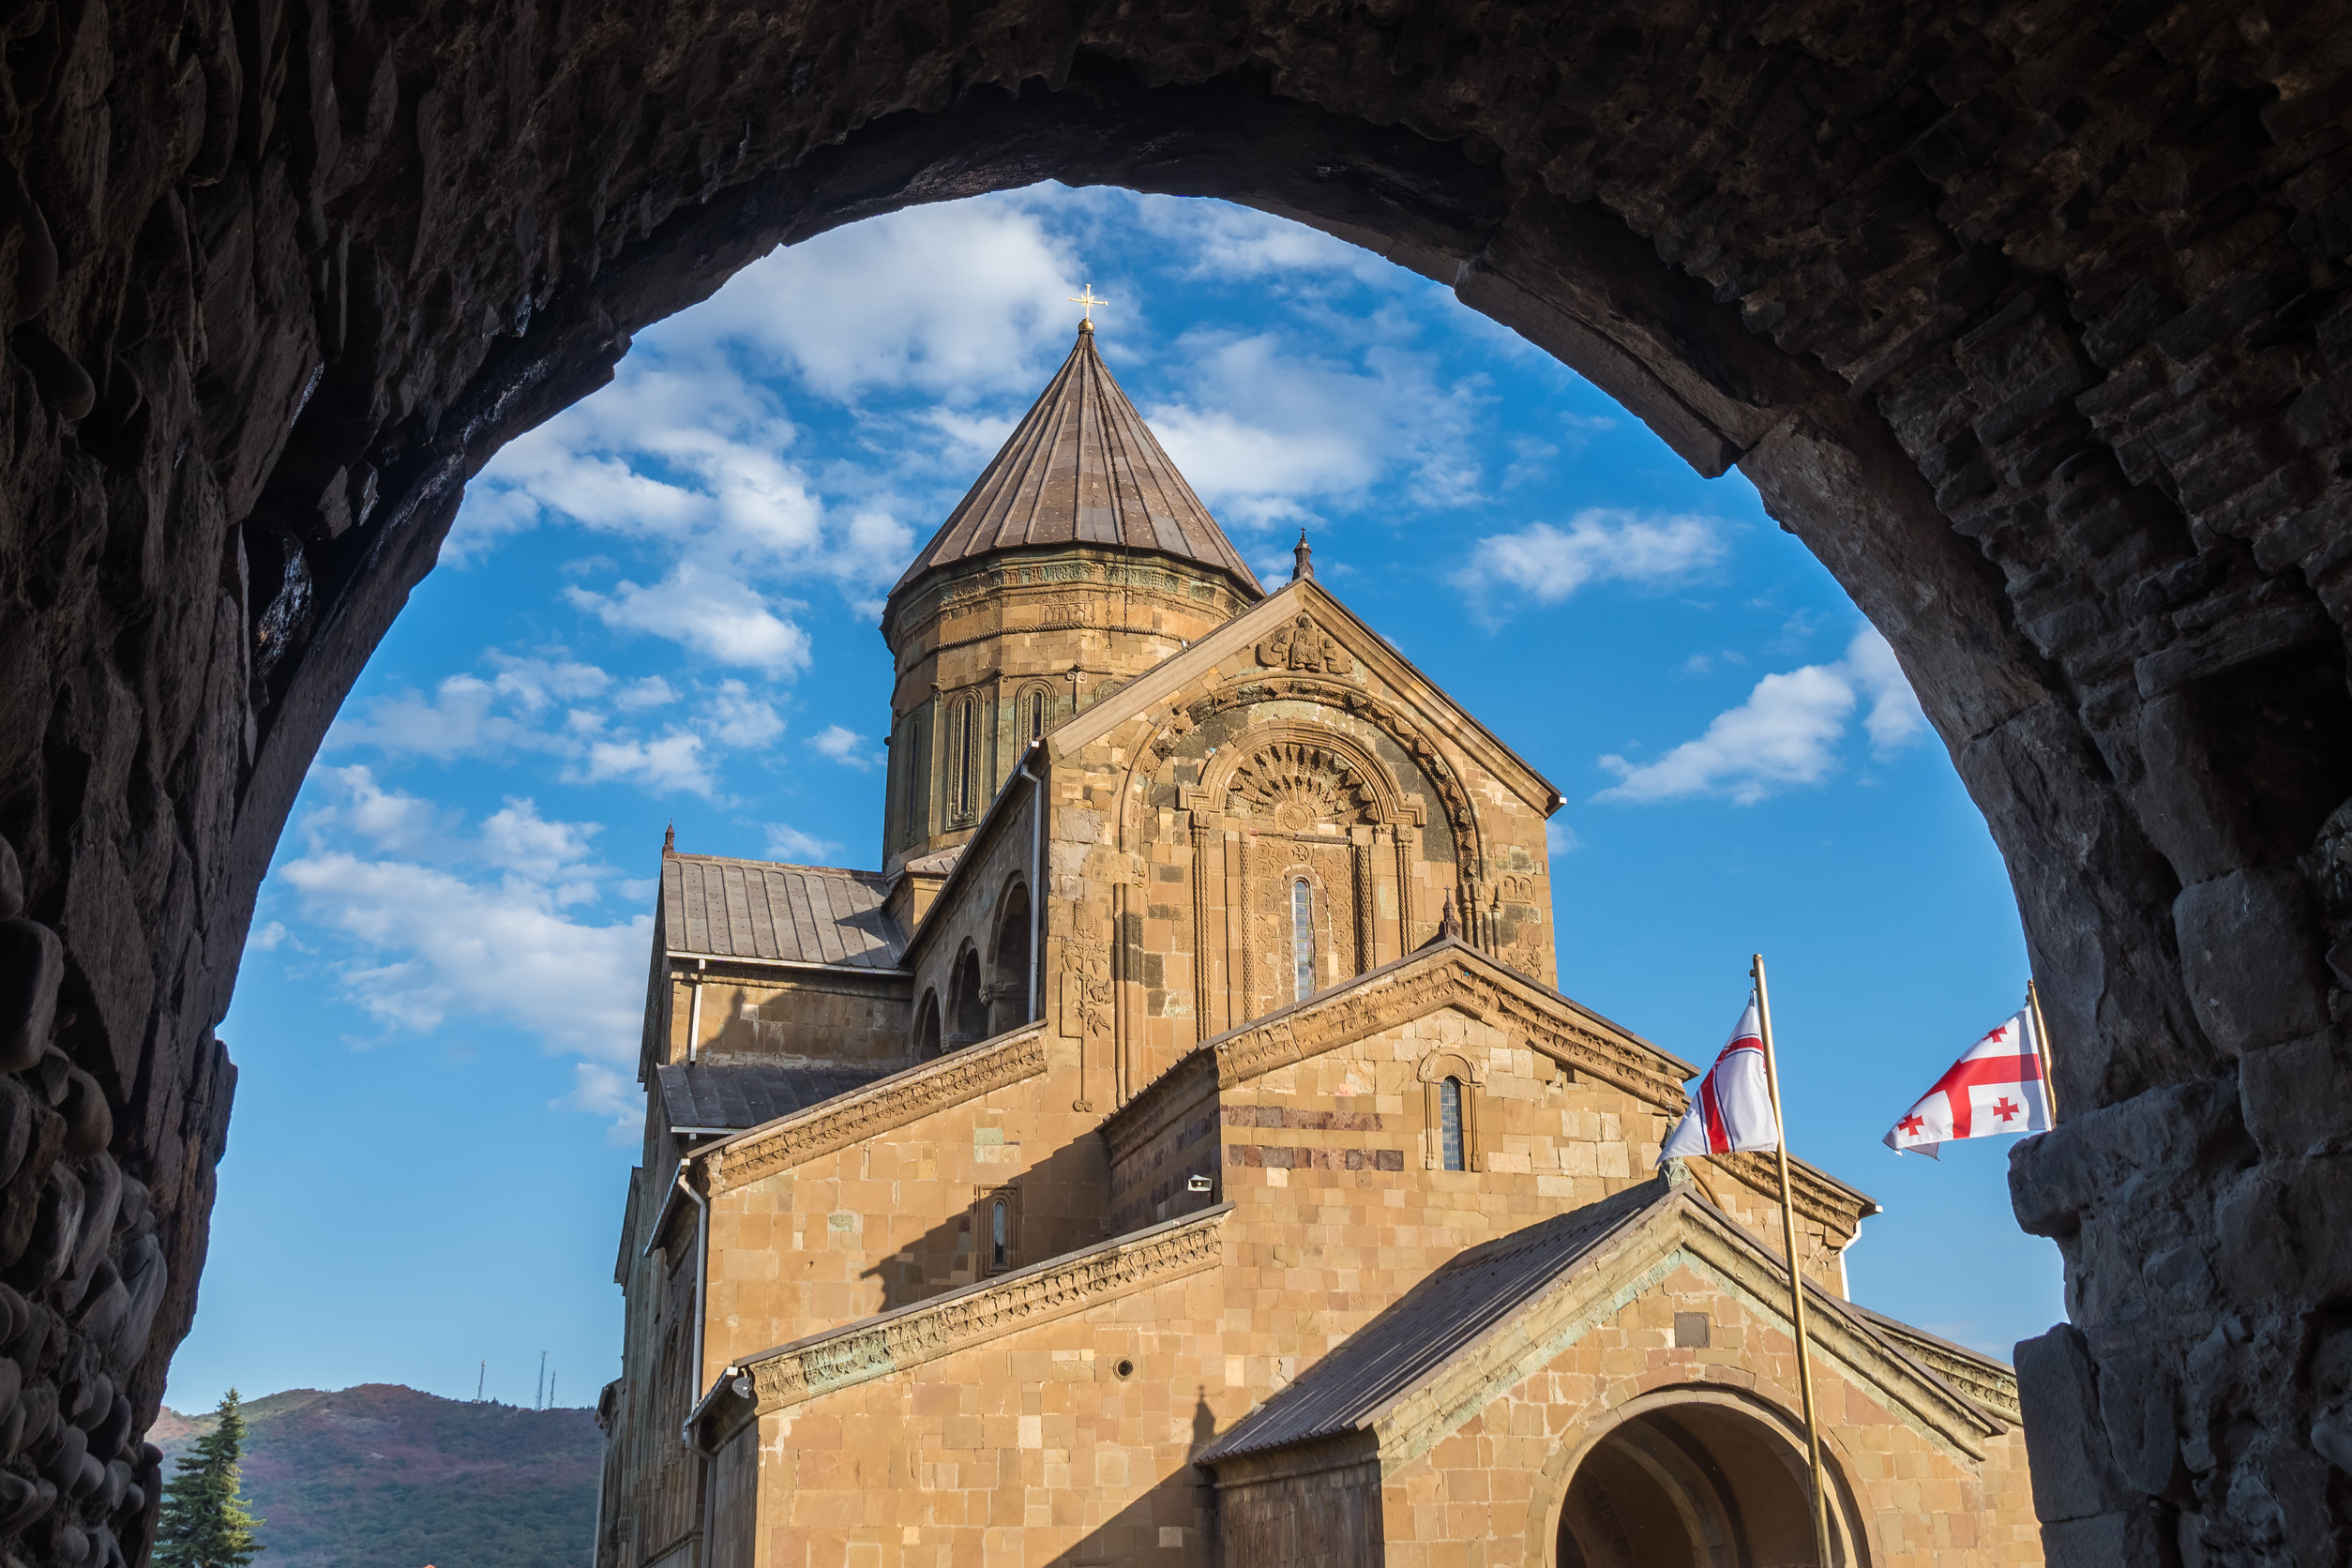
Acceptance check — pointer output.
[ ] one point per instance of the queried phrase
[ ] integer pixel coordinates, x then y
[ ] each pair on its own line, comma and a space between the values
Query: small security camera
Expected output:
1199, 1184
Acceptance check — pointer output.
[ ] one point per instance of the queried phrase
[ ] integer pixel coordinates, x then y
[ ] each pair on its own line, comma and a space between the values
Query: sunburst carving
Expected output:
1294, 786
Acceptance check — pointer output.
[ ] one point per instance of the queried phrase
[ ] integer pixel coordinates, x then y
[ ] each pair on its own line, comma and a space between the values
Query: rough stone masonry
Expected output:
2029, 319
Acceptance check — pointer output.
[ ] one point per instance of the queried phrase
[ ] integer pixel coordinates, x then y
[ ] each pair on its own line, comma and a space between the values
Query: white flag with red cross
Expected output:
1733, 1108
1997, 1088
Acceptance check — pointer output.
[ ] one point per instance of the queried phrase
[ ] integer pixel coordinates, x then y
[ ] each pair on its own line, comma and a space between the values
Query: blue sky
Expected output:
662, 607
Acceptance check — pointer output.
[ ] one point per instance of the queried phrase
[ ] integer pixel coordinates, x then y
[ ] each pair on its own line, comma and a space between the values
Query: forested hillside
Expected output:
382, 1476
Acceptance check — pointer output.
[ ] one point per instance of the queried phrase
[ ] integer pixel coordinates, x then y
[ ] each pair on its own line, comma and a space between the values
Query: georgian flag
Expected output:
1733, 1108
1996, 1088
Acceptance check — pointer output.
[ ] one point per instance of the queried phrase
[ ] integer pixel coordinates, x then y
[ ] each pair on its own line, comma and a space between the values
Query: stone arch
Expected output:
967, 1014
1715, 1466
1454, 800
1009, 958
2017, 318
929, 1040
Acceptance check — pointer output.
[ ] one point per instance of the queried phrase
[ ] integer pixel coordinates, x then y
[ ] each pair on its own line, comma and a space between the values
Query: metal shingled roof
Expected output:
1436, 1321
755, 909
1082, 468
734, 1096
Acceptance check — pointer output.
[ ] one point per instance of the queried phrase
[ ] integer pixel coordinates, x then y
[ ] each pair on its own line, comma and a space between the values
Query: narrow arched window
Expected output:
1450, 1122
961, 763
1000, 1234
1301, 939
1036, 714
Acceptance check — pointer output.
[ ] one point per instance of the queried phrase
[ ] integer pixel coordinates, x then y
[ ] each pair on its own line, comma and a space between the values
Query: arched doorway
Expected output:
1009, 981
1694, 1483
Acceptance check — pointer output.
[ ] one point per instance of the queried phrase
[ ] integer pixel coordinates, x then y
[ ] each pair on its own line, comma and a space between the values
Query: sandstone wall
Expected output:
895, 1217
1493, 1486
793, 1019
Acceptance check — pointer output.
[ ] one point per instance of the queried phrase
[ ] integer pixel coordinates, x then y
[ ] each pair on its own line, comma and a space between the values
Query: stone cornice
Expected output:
1821, 1197
1988, 1380
878, 1107
927, 1330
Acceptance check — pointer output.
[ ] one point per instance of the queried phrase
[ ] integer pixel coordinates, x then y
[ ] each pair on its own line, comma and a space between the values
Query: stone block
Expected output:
2247, 952
2075, 1475
2296, 1096
32, 965
2130, 1538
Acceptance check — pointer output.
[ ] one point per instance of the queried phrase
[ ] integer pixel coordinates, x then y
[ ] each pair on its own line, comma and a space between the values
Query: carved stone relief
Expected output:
1304, 646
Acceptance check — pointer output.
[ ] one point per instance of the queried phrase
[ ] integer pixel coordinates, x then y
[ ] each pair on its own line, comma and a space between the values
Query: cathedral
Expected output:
1178, 1151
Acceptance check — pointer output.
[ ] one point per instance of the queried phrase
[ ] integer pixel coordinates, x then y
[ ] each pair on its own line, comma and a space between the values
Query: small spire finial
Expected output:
670, 839
1449, 923
1088, 299
1303, 557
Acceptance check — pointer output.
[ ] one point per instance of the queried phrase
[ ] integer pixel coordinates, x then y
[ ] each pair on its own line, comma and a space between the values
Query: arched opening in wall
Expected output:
966, 1009
1009, 985
1696, 1484
1034, 714
963, 761
927, 1028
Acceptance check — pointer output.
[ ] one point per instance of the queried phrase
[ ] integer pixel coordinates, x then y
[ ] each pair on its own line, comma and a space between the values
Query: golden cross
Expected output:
1090, 301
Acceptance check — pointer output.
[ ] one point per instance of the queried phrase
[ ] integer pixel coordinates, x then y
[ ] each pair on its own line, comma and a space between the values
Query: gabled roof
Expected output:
1082, 468
1466, 1299
1445, 716
731, 1096
717, 907
1498, 1312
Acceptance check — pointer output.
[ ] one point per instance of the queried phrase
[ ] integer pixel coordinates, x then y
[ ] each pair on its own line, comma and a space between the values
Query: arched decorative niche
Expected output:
1299, 926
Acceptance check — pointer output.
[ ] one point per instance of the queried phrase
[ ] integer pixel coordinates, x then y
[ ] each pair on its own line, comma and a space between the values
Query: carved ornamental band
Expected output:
976, 1313
892, 1103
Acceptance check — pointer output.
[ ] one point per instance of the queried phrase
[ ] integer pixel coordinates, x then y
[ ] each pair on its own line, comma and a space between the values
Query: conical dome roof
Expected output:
1082, 468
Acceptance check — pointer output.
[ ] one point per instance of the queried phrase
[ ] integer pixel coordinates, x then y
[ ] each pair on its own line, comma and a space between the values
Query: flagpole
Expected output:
2041, 1049
1796, 1280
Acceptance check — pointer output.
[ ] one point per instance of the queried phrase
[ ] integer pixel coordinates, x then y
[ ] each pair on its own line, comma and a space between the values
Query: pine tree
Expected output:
204, 1521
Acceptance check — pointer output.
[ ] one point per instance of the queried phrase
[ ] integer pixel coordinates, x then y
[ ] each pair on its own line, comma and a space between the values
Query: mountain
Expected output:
382, 1476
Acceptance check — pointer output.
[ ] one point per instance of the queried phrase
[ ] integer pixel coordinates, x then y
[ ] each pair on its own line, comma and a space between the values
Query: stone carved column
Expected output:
1202, 1028
1360, 865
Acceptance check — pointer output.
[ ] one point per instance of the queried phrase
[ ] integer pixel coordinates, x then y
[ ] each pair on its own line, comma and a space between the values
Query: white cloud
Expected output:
460, 925
1599, 545
789, 844
1560, 839
845, 746
563, 709
1230, 242
719, 616
598, 1091
953, 299
268, 939
1784, 735
1266, 429
664, 762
